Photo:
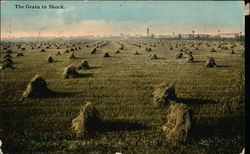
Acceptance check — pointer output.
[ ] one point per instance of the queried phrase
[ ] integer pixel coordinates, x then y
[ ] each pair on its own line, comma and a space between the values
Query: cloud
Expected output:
58, 27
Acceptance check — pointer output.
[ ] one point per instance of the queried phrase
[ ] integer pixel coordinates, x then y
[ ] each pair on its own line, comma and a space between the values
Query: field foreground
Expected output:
121, 88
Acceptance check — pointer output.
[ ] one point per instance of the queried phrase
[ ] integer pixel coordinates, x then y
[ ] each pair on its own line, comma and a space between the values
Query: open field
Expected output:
121, 88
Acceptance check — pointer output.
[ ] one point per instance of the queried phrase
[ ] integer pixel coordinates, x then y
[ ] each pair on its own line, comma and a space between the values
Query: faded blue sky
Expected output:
115, 17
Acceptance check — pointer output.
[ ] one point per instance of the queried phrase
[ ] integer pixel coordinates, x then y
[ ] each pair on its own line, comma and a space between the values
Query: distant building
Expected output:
185, 36
138, 36
200, 36
204, 36
229, 35
179, 36
165, 36
241, 37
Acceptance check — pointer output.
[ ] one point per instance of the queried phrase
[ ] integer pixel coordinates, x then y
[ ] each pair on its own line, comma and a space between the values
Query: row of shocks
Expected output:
7, 61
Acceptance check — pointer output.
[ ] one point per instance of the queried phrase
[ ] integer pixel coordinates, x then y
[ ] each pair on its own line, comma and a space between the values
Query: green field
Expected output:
121, 88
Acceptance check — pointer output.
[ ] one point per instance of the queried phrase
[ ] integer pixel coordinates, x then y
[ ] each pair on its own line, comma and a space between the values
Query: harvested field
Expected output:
121, 88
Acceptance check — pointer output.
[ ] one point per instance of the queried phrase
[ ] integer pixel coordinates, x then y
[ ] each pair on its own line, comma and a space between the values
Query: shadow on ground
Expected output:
120, 125
95, 67
55, 61
49, 94
61, 94
190, 101
219, 127
85, 75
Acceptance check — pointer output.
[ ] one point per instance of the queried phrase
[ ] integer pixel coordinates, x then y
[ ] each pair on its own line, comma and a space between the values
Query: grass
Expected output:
121, 89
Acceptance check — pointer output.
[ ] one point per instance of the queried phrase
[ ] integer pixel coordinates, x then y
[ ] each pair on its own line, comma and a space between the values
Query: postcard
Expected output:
122, 77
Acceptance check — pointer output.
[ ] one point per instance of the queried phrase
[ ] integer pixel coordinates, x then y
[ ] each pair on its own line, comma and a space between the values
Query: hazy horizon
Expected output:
80, 18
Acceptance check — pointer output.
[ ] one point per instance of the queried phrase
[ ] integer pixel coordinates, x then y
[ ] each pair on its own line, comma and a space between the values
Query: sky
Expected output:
82, 18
